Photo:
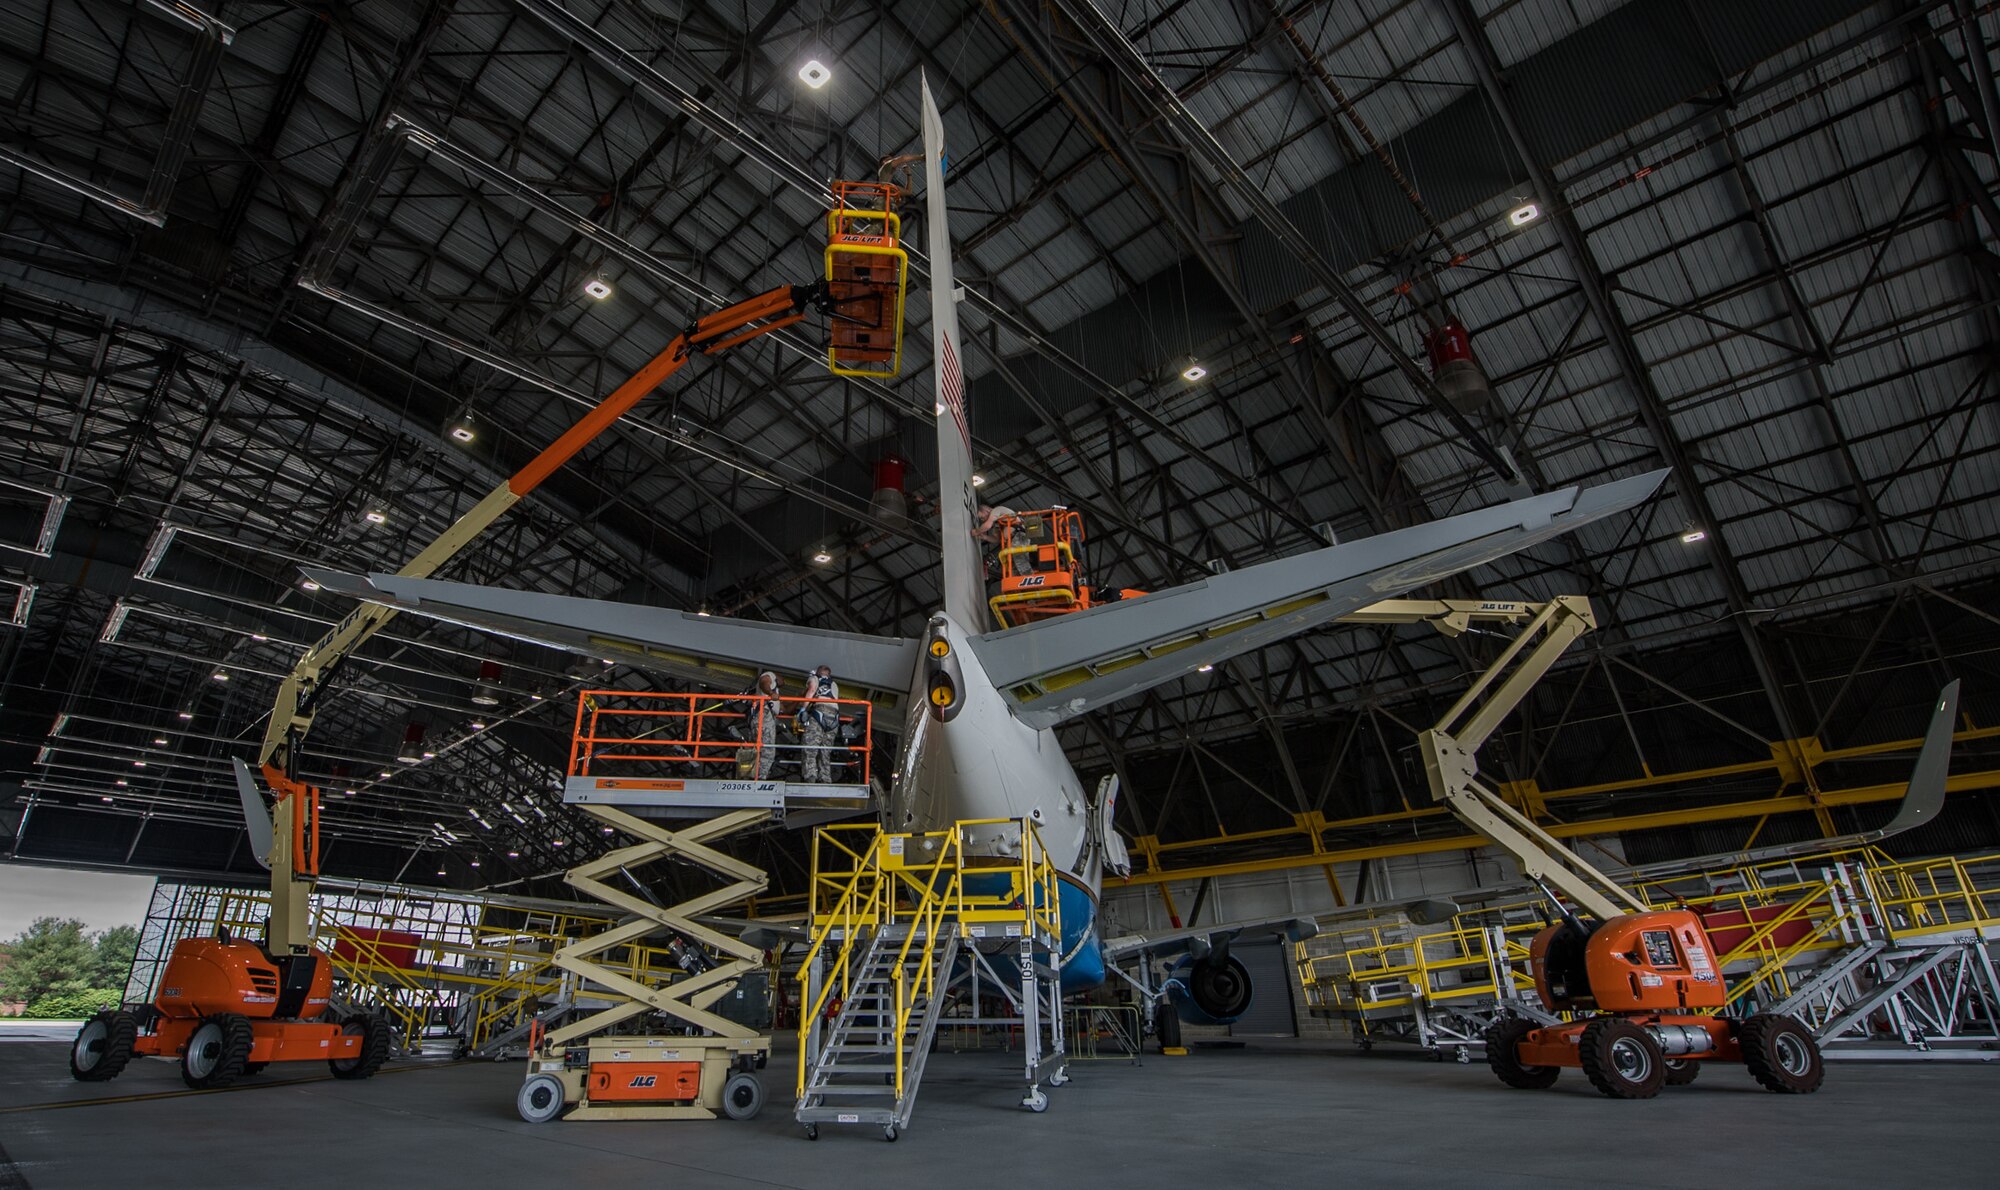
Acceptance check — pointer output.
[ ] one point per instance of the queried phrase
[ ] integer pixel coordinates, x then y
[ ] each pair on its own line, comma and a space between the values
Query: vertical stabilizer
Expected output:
964, 582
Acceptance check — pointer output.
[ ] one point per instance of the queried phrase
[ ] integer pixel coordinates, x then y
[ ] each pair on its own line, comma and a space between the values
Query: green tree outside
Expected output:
56, 970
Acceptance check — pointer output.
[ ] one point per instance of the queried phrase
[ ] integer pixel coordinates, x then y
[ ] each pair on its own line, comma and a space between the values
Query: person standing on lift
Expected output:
819, 725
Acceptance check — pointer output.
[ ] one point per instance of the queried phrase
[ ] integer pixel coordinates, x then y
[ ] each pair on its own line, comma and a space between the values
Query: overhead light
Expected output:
121, 782
1523, 215
513, 855
478, 725
413, 743
475, 863
430, 756
978, 481
1694, 535
440, 871
463, 432
309, 585
219, 676
536, 697
347, 793
258, 636
607, 661
607, 830
598, 288
386, 774
187, 714
106, 798
1204, 669
557, 842
815, 74
822, 557
160, 739
375, 516
1193, 372
138, 764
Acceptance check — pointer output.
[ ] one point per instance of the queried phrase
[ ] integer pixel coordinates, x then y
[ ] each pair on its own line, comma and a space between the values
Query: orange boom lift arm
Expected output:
862, 296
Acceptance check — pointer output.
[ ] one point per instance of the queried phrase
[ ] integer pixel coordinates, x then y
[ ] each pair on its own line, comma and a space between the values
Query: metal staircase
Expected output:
896, 918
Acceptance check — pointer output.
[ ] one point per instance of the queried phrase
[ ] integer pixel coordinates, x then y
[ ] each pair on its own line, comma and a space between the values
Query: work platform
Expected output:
904, 924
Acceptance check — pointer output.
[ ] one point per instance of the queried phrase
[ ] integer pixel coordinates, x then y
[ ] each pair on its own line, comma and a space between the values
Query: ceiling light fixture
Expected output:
1204, 669
121, 782
1694, 535
1523, 215
347, 793
258, 636
1193, 372
138, 764
187, 714
978, 481
513, 855
309, 585
219, 676
702, 610
815, 74
822, 557
375, 516
477, 725
463, 433
160, 739
597, 288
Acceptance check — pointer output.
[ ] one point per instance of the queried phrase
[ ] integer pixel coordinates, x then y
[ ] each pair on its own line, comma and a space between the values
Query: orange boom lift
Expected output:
227, 1007
1041, 568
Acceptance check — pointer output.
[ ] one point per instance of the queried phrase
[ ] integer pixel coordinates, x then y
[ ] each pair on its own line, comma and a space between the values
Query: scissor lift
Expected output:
639, 762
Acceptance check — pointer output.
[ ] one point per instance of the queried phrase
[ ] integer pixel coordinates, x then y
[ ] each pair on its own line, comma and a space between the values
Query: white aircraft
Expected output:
991, 750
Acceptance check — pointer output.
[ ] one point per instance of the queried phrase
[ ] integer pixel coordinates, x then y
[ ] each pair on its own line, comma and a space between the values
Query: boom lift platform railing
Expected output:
659, 755
899, 922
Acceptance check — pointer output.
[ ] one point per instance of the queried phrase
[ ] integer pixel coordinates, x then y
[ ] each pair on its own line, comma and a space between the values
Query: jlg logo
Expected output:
643, 1080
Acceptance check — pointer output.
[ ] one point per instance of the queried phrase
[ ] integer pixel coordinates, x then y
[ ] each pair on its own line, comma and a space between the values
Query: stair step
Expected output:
862, 1068
875, 1091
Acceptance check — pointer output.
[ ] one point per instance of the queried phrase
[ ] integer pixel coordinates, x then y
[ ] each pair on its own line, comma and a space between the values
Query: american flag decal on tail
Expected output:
951, 389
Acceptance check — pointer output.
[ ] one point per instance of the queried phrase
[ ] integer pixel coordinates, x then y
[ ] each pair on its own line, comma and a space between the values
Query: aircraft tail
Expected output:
964, 577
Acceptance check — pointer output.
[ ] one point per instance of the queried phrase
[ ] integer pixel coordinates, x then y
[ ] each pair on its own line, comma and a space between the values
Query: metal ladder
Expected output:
899, 924
860, 1073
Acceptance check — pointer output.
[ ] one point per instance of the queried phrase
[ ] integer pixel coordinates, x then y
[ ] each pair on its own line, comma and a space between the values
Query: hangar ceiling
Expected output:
258, 260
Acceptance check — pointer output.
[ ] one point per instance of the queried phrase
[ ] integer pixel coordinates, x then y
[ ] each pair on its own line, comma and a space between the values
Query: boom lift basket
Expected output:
866, 275
1041, 567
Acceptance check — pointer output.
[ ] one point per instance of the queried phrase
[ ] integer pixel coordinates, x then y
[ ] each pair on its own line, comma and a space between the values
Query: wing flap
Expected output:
1057, 668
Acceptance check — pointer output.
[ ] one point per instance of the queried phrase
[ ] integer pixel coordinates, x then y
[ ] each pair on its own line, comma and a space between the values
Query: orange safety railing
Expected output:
624, 733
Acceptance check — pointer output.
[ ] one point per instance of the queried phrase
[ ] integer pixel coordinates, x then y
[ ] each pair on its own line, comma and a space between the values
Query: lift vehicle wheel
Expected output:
102, 1047
1781, 1054
1682, 1071
812, 1131
889, 1133
1036, 1101
541, 1099
1503, 1054
374, 1034
742, 1096
1621, 1059
218, 1051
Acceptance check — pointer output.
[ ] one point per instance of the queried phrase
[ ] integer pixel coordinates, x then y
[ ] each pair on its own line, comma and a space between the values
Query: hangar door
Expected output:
1270, 1014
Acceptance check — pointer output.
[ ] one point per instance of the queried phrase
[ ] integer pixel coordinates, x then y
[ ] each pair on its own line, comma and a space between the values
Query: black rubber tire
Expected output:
1167, 1025
217, 1052
540, 1099
742, 1096
102, 1047
1622, 1060
812, 1131
1781, 1054
1682, 1071
1503, 1054
254, 1067
374, 1048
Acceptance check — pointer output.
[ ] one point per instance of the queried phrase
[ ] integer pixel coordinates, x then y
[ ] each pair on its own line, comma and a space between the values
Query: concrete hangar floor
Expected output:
1293, 1113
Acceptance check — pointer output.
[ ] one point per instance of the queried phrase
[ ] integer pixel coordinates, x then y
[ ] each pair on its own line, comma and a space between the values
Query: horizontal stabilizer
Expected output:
713, 650
1053, 669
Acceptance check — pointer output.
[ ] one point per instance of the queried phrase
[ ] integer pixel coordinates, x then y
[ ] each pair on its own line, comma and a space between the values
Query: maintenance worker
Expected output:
986, 527
819, 725
761, 708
